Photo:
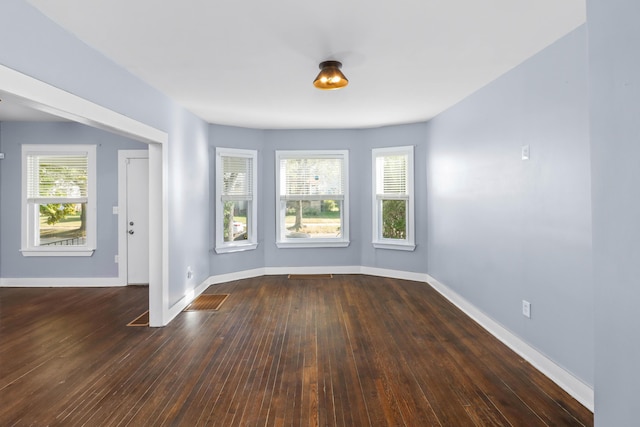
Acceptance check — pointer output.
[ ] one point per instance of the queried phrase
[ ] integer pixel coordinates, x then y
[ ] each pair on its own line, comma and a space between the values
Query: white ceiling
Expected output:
251, 63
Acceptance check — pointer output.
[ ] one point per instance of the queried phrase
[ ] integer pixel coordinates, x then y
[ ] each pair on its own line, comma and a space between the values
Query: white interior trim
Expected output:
44, 97
580, 391
59, 282
123, 259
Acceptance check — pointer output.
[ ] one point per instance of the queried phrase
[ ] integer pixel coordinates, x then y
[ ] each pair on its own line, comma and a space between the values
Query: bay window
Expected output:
312, 198
393, 199
236, 202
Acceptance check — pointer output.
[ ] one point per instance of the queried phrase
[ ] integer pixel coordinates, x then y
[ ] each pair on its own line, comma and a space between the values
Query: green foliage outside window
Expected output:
227, 224
61, 182
56, 212
394, 219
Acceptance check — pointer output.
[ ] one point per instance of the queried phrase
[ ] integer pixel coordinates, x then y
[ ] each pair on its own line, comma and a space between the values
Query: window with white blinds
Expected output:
236, 201
393, 204
312, 178
57, 178
312, 200
59, 200
237, 178
391, 175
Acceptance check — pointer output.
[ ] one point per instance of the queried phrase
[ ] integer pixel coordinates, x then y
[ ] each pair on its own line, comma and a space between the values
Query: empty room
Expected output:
353, 214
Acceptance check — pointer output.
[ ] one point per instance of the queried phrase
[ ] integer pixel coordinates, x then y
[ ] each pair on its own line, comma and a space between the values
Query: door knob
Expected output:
130, 231
131, 223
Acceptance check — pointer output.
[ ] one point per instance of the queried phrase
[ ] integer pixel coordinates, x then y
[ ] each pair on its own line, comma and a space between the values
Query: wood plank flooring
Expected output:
348, 351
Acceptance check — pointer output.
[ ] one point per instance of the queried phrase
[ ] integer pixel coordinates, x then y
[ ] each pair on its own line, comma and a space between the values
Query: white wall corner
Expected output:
177, 308
580, 391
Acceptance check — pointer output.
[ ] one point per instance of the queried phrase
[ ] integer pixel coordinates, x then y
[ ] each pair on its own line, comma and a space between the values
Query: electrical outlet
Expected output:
116, 259
189, 273
526, 309
525, 152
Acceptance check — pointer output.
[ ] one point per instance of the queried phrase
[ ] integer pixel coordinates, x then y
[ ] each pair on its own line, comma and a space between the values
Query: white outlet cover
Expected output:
526, 309
525, 152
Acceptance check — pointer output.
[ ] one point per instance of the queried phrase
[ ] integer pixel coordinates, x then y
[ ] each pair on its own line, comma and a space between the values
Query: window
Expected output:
59, 200
236, 202
393, 223
312, 200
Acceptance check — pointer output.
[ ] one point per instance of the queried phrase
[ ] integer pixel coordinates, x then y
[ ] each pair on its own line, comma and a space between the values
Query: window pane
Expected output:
57, 176
394, 219
235, 220
312, 176
62, 224
391, 174
237, 174
312, 219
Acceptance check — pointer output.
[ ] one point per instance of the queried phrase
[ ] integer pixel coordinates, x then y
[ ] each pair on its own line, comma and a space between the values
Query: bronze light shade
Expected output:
330, 76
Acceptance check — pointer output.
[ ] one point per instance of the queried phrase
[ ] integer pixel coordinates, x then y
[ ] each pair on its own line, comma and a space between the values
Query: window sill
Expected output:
308, 243
57, 252
395, 246
236, 248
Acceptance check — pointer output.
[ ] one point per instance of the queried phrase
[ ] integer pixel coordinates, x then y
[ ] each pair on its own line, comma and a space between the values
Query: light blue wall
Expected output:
34, 45
501, 229
416, 135
614, 40
311, 140
248, 139
359, 143
101, 264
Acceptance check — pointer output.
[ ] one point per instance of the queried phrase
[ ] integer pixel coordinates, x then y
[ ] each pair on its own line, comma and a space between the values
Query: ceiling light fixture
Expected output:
330, 76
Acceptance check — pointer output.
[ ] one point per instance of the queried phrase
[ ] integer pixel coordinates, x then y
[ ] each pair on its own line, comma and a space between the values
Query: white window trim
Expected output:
378, 241
27, 248
338, 242
223, 247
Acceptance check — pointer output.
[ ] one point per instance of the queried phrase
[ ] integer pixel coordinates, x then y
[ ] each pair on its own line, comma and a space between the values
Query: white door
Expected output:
137, 221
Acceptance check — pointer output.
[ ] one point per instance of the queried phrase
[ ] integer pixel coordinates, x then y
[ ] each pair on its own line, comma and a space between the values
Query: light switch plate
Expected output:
525, 152
526, 309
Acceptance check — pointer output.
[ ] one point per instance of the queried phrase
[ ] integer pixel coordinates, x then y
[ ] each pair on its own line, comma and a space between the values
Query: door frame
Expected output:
42, 96
123, 247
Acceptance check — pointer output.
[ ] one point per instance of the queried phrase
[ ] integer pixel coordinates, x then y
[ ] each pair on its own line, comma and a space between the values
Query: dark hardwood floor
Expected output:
348, 351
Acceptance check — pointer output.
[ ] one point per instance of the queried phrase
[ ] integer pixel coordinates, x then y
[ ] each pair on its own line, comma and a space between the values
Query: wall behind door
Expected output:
101, 264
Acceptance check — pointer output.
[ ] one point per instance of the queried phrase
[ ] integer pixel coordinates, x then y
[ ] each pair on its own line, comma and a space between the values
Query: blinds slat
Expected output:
313, 197
234, 198
62, 200
392, 197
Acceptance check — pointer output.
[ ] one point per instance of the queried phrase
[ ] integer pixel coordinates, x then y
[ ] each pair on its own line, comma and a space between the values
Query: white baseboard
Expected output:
394, 274
177, 308
580, 391
230, 277
341, 269
60, 282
